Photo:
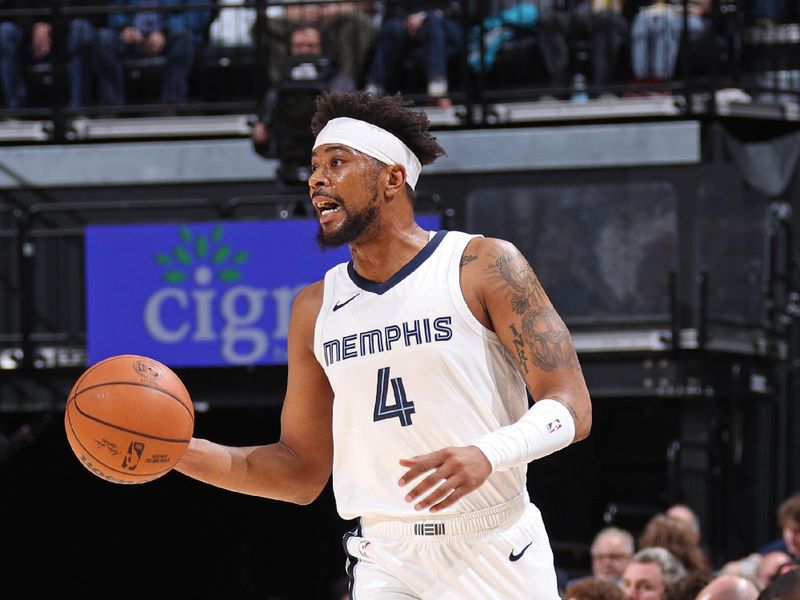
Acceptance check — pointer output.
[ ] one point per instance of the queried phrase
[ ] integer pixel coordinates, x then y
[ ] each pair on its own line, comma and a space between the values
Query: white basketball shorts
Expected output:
500, 553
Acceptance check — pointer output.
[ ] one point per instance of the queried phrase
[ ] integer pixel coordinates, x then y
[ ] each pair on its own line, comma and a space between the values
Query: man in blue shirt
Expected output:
150, 32
789, 521
26, 39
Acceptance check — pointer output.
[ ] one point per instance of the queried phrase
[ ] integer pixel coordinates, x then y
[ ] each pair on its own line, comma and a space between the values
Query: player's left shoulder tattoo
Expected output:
513, 272
466, 259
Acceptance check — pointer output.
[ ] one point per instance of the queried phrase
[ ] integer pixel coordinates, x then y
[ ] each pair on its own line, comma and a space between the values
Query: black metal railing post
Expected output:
262, 61
674, 311
60, 80
25, 257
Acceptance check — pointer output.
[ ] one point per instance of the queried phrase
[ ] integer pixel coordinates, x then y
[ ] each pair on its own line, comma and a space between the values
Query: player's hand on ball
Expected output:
452, 473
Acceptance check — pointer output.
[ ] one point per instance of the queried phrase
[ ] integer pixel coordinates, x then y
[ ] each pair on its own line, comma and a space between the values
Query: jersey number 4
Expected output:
402, 408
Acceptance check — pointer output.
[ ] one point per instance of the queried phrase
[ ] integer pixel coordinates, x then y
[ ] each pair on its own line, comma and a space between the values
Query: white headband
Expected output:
372, 141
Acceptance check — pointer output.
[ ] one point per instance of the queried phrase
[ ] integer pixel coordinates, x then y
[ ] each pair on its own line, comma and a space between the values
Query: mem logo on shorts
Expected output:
429, 529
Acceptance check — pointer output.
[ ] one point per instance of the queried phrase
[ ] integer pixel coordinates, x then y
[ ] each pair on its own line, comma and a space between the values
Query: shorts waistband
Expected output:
479, 521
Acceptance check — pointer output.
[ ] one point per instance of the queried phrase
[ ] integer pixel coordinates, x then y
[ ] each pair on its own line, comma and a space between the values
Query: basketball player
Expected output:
407, 380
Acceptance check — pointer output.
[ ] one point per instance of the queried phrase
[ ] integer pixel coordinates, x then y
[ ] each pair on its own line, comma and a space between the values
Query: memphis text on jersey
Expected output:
374, 341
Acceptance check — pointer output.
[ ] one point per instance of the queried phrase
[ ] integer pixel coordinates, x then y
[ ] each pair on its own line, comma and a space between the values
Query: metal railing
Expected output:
230, 79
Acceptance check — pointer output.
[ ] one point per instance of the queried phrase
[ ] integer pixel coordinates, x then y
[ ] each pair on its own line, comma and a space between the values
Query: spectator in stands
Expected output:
590, 588
611, 550
650, 573
689, 586
27, 39
432, 25
767, 13
783, 587
675, 536
729, 587
174, 34
232, 26
348, 29
599, 21
684, 514
746, 566
504, 24
789, 521
656, 36
770, 566
306, 41
348, 32
689, 517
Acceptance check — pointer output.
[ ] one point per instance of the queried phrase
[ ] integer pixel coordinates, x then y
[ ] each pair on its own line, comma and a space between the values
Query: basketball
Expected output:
129, 419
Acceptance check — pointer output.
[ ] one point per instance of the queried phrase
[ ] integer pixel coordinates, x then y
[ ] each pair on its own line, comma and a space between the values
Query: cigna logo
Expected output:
204, 301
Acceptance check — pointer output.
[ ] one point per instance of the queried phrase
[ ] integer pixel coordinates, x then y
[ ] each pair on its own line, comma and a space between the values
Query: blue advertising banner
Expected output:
201, 294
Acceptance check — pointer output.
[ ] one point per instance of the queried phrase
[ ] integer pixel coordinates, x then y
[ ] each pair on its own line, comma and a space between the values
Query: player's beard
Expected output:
356, 227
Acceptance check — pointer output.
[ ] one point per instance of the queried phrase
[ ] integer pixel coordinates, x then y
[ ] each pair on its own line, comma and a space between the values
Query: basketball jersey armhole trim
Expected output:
328, 294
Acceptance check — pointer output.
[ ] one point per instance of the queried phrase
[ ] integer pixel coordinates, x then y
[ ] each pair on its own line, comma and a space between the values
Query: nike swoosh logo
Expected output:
515, 557
337, 306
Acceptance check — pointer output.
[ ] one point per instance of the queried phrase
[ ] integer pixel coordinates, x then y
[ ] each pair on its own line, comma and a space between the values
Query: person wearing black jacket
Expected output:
305, 47
29, 38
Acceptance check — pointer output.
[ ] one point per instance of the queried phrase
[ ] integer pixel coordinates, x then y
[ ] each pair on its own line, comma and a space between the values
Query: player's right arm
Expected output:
297, 467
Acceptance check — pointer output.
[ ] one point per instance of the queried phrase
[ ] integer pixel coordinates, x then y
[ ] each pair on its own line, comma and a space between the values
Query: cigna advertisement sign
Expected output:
200, 294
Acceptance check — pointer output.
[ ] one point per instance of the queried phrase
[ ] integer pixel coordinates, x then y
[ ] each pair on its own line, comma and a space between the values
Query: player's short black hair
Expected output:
392, 113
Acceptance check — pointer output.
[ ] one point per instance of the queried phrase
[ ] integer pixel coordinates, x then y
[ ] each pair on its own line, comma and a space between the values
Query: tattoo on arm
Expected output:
550, 342
541, 334
467, 258
518, 275
519, 349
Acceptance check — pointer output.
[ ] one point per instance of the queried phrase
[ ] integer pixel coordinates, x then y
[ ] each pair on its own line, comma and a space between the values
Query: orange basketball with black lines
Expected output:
129, 419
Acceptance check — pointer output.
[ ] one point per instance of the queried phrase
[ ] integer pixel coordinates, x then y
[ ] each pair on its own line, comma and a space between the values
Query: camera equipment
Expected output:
305, 77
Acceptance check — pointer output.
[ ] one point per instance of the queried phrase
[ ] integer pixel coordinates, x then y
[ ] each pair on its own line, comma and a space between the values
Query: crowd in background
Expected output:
598, 41
668, 561
368, 43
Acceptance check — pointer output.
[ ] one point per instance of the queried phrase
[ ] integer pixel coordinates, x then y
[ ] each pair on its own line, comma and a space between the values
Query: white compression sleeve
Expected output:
547, 427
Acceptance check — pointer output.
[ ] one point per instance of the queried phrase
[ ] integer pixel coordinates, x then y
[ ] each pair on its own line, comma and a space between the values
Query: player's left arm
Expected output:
521, 314
505, 295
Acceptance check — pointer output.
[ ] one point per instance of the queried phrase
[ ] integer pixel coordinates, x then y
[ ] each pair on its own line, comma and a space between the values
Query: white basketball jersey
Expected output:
412, 371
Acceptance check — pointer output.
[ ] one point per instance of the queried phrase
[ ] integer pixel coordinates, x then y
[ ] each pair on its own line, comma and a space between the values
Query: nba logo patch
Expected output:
553, 426
132, 457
